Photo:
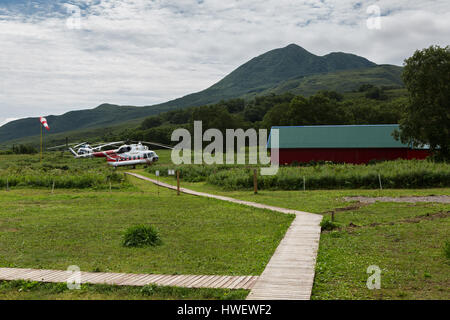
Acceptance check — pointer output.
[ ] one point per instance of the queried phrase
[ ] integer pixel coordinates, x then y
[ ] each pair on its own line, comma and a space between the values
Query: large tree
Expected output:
426, 120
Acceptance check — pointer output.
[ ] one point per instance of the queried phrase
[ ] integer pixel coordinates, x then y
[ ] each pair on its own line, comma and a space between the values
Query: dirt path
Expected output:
437, 199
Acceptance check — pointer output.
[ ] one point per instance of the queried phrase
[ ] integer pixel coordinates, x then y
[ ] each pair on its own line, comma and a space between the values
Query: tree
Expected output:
376, 94
426, 119
151, 122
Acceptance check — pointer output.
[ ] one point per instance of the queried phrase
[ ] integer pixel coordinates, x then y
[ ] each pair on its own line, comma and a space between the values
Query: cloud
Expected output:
5, 121
56, 58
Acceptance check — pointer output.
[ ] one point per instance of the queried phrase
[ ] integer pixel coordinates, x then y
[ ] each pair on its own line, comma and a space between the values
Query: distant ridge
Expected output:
291, 68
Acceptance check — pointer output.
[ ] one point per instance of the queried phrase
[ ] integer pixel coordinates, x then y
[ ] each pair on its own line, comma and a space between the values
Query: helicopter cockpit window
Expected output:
145, 156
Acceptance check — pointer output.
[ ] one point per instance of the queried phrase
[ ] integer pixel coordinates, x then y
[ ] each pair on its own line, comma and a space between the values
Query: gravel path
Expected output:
438, 199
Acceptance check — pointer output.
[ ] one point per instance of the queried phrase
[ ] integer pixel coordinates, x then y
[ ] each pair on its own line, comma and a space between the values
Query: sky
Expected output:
58, 56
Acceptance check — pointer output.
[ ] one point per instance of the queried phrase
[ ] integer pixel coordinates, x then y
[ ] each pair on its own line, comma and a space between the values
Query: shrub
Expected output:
447, 249
140, 236
328, 225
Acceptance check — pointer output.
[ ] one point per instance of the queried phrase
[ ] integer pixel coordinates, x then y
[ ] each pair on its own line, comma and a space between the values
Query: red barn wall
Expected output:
349, 155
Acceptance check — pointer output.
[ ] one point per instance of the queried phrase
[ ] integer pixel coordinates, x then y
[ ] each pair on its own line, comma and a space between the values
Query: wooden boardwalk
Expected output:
130, 279
289, 275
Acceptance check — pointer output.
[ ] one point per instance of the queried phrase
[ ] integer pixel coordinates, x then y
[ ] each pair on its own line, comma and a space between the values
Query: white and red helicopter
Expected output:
125, 154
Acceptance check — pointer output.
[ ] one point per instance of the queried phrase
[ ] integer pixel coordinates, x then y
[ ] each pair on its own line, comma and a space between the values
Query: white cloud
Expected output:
5, 121
138, 52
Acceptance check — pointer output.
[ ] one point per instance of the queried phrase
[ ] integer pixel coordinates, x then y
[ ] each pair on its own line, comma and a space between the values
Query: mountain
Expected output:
291, 68
270, 69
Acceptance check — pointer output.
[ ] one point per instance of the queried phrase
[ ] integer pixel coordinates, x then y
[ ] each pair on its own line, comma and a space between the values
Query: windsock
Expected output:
44, 123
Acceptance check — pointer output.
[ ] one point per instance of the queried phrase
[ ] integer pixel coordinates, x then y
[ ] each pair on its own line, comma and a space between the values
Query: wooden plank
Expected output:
124, 279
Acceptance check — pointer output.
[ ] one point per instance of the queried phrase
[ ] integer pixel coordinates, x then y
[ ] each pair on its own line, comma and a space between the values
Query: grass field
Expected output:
39, 229
405, 240
405, 174
76, 227
60, 170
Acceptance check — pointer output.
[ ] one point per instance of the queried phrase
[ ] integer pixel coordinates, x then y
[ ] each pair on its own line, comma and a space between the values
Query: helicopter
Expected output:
131, 154
127, 154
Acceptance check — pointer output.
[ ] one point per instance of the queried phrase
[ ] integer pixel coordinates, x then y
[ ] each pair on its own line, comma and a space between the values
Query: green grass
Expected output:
199, 236
408, 254
315, 201
393, 174
406, 240
62, 170
204, 236
26, 290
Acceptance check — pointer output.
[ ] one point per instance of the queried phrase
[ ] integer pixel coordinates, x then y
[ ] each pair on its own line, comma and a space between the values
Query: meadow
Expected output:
84, 226
39, 229
406, 240
391, 174
59, 170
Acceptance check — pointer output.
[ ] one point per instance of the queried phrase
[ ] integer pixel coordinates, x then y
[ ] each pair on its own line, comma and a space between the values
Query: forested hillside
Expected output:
289, 69
367, 105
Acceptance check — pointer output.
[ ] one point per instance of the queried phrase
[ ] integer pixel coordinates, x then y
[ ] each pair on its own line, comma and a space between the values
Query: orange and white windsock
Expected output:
44, 123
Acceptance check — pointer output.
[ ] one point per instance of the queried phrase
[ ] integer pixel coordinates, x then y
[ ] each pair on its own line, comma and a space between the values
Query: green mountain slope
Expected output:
286, 69
341, 81
270, 69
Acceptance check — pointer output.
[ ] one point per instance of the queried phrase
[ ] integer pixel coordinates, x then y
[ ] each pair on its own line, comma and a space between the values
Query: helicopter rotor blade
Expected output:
64, 145
79, 144
107, 144
158, 144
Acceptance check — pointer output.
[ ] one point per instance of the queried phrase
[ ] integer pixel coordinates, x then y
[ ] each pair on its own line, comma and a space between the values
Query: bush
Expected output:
140, 236
328, 225
447, 249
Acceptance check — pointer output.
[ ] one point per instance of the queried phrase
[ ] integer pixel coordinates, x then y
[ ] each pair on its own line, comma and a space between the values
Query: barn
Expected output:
342, 144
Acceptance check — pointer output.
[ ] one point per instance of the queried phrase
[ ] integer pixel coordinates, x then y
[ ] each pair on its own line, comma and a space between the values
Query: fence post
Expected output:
379, 180
255, 181
53, 186
178, 182
7, 184
157, 180
304, 183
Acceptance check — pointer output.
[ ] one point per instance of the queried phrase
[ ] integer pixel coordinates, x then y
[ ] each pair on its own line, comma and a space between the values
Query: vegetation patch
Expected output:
58, 171
141, 236
403, 240
447, 249
393, 174
328, 225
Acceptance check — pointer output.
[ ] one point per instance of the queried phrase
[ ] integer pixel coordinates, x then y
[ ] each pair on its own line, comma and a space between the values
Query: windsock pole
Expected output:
41, 143
44, 123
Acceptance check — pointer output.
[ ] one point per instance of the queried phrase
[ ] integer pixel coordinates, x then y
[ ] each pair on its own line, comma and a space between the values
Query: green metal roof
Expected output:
348, 136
